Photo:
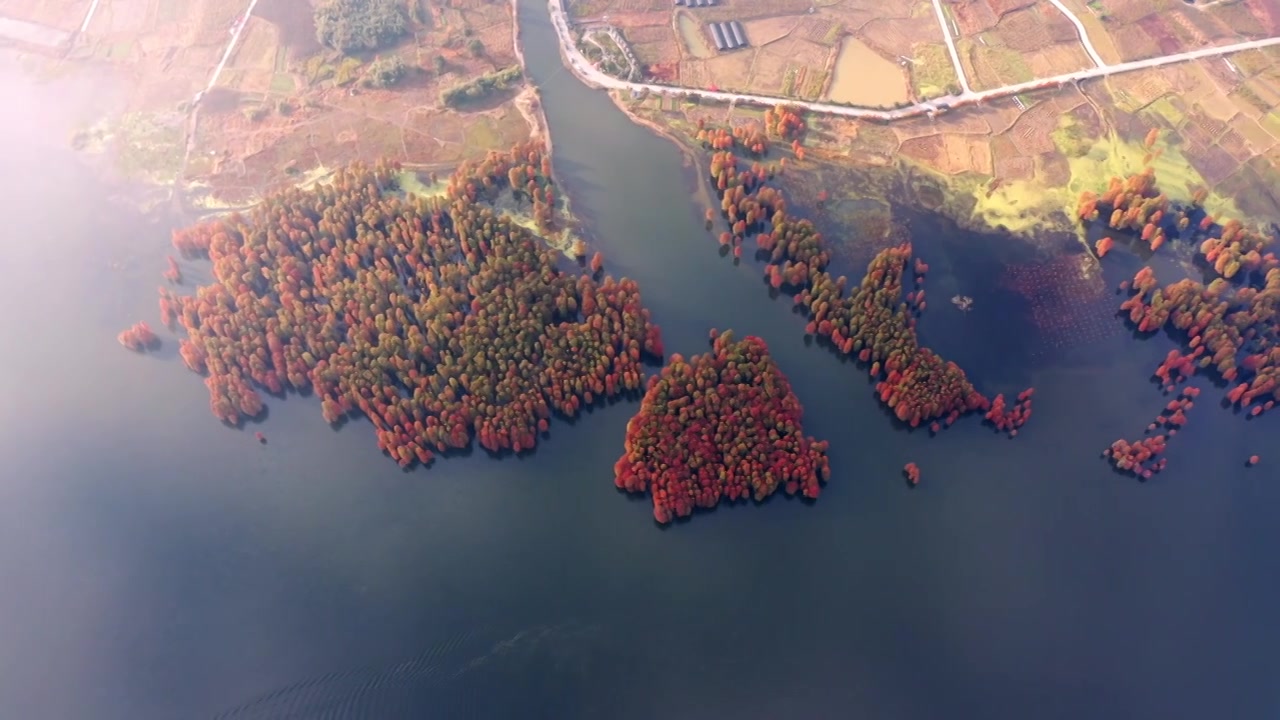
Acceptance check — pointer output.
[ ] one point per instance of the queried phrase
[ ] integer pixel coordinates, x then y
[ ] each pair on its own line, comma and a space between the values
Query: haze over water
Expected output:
158, 565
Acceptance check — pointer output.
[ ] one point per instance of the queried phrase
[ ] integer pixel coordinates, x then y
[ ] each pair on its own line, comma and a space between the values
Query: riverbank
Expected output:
284, 106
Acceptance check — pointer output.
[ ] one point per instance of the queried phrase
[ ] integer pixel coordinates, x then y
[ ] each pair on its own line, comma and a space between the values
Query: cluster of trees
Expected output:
139, 338
723, 425
1136, 205
784, 121
352, 26
1228, 327
873, 320
482, 86
385, 72
435, 317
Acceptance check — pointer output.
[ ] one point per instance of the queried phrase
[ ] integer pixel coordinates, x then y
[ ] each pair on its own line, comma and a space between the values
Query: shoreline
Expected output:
691, 156
529, 101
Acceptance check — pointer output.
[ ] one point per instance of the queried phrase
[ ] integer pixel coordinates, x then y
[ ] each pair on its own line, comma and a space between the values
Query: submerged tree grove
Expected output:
435, 317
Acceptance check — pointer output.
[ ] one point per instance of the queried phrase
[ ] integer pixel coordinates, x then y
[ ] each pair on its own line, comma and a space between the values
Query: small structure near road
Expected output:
696, 3
727, 35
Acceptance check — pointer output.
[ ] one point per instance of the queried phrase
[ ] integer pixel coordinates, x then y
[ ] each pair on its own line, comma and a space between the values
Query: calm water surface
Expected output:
157, 565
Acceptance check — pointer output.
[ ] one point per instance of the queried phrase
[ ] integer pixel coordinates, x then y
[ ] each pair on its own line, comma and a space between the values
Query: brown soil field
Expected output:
989, 66
821, 30
656, 53
1234, 145
1052, 169
1056, 59
950, 154
1137, 44
765, 31
1001, 7
119, 16
926, 149
1134, 91
1034, 28
973, 17
1213, 163
1126, 12
589, 8
878, 140
770, 68
1198, 132
999, 116
279, 111
1013, 167
1268, 92
1032, 134
967, 154
693, 73
1164, 34
657, 18
65, 15
894, 36
730, 71
1248, 18
252, 66
1253, 134
649, 34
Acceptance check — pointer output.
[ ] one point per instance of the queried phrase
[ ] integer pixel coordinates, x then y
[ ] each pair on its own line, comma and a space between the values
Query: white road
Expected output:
1084, 36
231, 47
88, 16
592, 76
951, 47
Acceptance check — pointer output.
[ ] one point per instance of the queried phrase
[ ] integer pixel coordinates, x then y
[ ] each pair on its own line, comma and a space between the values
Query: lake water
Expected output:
158, 565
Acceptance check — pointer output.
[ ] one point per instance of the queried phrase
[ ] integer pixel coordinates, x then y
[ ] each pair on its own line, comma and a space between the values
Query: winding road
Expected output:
1084, 36
592, 76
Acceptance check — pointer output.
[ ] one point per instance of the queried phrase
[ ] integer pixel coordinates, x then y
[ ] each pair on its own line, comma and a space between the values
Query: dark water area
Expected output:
158, 565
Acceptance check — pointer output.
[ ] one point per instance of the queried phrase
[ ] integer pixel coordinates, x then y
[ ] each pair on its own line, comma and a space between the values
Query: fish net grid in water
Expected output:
1069, 308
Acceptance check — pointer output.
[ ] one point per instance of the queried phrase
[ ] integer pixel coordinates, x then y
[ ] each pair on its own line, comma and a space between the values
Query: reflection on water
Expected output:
543, 672
158, 565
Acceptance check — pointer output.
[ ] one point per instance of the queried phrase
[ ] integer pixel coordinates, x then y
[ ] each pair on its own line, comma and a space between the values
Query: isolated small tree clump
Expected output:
351, 26
385, 72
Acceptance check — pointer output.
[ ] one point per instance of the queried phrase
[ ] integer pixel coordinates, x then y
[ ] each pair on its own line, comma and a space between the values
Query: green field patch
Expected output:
170, 11
1246, 99
283, 84
1006, 63
1166, 110
1251, 62
1027, 205
931, 71
1071, 138
149, 147
1271, 123
789, 82
480, 133
814, 85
